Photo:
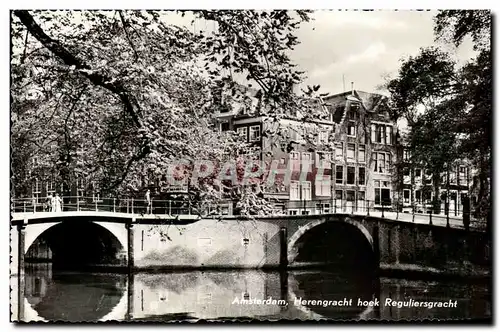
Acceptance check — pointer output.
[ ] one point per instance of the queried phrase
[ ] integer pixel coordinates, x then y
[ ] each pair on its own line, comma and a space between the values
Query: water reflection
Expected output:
235, 294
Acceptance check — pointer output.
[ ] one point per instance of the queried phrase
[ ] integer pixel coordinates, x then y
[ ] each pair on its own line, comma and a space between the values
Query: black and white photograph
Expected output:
172, 166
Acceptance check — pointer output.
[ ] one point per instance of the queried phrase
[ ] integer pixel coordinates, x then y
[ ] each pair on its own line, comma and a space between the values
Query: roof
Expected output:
371, 101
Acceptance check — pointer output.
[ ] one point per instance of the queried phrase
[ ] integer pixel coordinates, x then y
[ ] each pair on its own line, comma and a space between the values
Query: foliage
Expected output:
458, 24
114, 98
448, 109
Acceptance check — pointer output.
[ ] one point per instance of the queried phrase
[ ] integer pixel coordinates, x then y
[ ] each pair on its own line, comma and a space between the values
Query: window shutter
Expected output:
373, 132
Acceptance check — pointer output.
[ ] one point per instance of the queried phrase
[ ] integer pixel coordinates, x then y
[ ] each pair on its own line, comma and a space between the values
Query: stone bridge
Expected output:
152, 242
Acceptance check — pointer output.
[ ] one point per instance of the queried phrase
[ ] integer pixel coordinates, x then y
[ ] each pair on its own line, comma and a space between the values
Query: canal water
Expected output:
70, 296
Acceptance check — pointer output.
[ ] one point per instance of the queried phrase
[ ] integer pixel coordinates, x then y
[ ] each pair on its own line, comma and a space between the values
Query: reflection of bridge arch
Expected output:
293, 249
75, 297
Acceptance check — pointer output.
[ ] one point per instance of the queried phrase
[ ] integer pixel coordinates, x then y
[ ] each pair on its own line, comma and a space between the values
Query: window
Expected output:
37, 191
254, 133
361, 176
406, 171
37, 188
300, 191
406, 155
306, 190
294, 191
307, 158
427, 196
388, 134
388, 163
338, 195
406, 196
453, 177
351, 115
339, 150
297, 133
381, 162
323, 188
306, 155
350, 151
361, 154
339, 174
80, 188
382, 192
323, 160
350, 195
351, 171
461, 174
418, 196
295, 160
323, 137
351, 129
381, 133
224, 126
361, 196
323, 208
51, 187
243, 132
96, 194
418, 172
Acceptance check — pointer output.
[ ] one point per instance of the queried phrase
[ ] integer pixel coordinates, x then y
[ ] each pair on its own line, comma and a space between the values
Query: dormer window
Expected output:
351, 115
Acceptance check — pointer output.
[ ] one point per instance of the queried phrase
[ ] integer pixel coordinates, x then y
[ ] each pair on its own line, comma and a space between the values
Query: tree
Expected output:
475, 94
116, 97
420, 94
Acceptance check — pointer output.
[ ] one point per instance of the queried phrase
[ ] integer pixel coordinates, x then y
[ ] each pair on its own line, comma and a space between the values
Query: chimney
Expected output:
352, 88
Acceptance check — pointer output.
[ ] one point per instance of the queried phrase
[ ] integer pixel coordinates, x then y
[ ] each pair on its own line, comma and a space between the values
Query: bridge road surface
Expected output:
437, 220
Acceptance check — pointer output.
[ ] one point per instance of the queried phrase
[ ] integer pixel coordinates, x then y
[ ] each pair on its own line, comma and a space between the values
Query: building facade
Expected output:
348, 155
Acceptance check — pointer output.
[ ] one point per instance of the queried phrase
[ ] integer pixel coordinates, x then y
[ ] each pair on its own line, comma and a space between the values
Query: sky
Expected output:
364, 47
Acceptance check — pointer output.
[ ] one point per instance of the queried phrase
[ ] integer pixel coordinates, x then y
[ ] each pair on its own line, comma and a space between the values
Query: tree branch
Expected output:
124, 24
69, 59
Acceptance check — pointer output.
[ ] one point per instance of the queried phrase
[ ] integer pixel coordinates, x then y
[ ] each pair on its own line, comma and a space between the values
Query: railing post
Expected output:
189, 208
114, 204
96, 205
127, 205
382, 208
169, 207
352, 208
430, 217
397, 210
368, 209
132, 205
77, 203
335, 205
24, 206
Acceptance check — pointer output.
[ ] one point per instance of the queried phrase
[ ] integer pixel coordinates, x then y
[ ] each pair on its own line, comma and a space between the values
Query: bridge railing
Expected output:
385, 209
110, 204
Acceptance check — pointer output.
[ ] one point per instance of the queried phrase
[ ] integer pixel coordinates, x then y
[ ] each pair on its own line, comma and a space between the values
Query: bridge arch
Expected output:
354, 225
76, 243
